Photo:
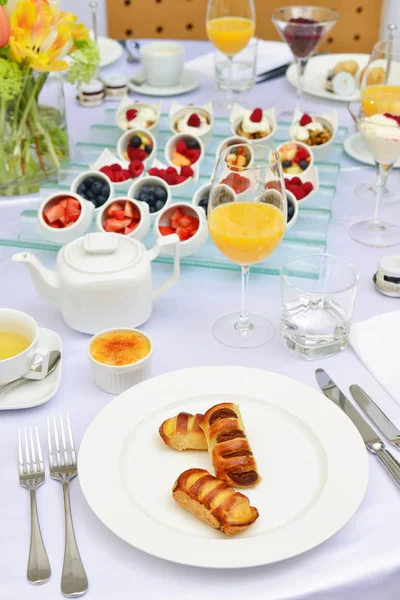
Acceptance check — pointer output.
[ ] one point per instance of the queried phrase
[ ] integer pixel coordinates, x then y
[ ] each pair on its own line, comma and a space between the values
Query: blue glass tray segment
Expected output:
307, 236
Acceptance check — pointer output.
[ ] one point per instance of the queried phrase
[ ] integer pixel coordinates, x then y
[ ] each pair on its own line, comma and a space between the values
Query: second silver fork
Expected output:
63, 468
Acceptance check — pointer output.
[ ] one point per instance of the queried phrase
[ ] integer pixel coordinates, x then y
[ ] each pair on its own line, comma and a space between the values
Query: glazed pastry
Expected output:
376, 76
229, 447
349, 66
183, 432
213, 501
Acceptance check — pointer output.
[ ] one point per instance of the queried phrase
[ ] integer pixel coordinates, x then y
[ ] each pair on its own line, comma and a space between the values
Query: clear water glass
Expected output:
316, 312
244, 66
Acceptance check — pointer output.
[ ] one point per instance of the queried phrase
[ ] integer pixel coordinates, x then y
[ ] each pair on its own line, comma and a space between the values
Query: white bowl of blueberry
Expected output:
94, 186
292, 209
201, 196
152, 190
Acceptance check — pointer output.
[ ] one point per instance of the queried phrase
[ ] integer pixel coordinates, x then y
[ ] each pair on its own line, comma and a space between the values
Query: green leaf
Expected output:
3, 2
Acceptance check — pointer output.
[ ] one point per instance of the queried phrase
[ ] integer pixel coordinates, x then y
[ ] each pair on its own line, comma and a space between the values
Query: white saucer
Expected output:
33, 393
188, 83
355, 147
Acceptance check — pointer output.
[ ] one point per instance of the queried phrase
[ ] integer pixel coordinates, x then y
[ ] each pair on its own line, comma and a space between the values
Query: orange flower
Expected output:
5, 28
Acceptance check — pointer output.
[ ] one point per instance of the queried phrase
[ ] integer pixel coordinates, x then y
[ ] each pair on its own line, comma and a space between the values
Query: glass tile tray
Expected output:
307, 236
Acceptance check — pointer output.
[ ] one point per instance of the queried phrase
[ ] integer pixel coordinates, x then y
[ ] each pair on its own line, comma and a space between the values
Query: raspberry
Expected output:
305, 120
171, 170
181, 147
154, 172
307, 187
394, 117
296, 181
136, 153
301, 154
131, 114
115, 167
193, 155
186, 171
136, 168
256, 115
181, 178
170, 178
298, 192
194, 120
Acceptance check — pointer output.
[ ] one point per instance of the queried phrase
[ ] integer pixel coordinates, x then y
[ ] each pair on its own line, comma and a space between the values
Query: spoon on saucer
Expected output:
54, 361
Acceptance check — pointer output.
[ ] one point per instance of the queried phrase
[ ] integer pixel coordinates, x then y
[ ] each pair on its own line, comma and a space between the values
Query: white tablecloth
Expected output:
361, 561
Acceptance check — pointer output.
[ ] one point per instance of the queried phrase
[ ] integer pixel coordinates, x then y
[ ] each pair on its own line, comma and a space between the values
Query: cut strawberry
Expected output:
54, 213
256, 115
305, 120
119, 215
131, 228
72, 211
194, 120
131, 211
115, 206
64, 202
181, 147
166, 230
175, 218
183, 234
131, 114
115, 225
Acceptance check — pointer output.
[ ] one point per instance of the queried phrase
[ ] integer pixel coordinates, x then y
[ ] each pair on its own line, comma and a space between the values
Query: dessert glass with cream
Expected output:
377, 117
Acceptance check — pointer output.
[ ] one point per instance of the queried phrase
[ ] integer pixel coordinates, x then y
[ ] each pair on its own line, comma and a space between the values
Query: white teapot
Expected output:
103, 280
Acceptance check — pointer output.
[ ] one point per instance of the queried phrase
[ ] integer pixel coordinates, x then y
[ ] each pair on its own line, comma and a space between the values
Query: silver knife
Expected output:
371, 439
377, 416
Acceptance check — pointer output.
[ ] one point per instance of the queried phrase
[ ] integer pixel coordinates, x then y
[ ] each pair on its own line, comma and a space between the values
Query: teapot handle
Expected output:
168, 240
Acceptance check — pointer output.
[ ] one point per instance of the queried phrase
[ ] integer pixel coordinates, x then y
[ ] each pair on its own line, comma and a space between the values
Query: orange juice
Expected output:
230, 34
246, 232
120, 347
381, 99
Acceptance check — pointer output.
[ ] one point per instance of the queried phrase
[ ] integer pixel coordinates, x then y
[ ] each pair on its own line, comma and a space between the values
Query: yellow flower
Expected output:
43, 36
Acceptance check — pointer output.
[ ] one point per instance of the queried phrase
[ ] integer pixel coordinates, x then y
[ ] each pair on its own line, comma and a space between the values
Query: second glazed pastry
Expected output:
229, 447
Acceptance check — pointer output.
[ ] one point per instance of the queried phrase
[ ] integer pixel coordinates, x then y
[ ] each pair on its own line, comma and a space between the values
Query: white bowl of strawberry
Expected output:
136, 144
64, 217
303, 186
188, 222
153, 191
296, 157
184, 150
126, 217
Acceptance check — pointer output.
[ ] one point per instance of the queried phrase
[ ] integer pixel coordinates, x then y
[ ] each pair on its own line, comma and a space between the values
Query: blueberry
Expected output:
105, 190
153, 209
159, 204
88, 181
192, 144
148, 148
290, 211
143, 196
81, 189
160, 193
89, 195
303, 164
145, 189
97, 187
152, 198
286, 164
100, 200
136, 141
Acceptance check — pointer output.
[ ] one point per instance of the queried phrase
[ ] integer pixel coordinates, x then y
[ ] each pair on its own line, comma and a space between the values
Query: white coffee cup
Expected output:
20, 365
163, 63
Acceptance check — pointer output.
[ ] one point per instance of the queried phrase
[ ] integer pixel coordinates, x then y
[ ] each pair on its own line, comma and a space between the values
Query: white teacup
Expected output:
163, 63
14, 321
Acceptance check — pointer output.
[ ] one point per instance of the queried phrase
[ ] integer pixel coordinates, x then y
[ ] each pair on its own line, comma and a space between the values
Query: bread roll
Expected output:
213, 501
228, 446
350, 66
183, 432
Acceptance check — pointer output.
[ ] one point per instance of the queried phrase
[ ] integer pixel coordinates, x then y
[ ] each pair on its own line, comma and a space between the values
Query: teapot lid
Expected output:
98, 253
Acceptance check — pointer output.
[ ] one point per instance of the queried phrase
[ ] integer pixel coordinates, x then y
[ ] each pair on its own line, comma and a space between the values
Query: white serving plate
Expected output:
188, 83
317, 70
355, 147
33, 393
312, 460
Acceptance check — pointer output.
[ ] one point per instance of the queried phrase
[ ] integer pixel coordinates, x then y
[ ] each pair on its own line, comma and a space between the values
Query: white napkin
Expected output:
269, 56
376, 343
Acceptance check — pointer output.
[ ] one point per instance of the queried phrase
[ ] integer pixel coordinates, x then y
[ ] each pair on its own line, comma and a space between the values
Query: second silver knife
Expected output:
377, 416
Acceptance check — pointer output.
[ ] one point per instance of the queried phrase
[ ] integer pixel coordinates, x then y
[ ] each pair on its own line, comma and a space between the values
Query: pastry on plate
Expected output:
375, 76
213, 501
183, 432
229, 447
350, 66
341, 79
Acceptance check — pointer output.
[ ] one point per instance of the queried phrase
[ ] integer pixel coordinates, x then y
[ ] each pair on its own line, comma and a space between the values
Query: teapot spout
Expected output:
45, 281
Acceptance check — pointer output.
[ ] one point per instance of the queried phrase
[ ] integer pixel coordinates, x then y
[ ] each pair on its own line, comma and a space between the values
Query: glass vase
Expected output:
33, 135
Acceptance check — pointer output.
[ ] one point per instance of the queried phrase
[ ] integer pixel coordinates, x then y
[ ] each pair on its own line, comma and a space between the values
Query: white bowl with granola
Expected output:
138, 115
317, 131
258, 126
192, 120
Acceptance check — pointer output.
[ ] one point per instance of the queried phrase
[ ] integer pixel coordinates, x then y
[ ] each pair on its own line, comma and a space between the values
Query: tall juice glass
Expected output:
247, 213
230, 26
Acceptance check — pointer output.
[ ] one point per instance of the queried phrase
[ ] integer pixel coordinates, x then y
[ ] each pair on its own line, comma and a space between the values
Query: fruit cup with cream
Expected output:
192, 120
138, 115
257, 125
377, 117
315, 131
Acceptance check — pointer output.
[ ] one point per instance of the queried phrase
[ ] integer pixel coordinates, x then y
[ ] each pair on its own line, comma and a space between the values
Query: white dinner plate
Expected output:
33, 393
311, 458
317, 70
355, 147
188, 83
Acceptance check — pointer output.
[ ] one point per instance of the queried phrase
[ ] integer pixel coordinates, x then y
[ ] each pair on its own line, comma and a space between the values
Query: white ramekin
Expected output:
292, 200
63, 236
309, 150
137, 185
143, 227
126, 137
80, 178
171, 146
193, 244
116, 379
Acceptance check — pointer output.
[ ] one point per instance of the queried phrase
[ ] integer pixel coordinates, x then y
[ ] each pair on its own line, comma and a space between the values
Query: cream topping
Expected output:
183, 127
145, 115
249, 126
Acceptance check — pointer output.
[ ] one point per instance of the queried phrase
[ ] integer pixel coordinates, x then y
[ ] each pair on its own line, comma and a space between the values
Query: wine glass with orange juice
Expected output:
230, 26
247, 213
378, 120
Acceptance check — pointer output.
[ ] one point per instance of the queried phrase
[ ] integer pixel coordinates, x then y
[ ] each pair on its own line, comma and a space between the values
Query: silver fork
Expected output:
63, 467
32, 476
